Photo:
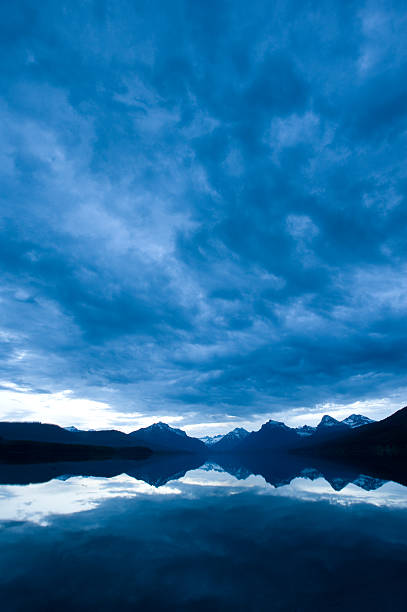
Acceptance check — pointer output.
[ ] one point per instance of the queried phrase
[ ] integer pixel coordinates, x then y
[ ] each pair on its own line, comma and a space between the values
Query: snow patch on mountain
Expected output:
306, 430
328, 421
209, 440
238, 433
160, 426
275, 424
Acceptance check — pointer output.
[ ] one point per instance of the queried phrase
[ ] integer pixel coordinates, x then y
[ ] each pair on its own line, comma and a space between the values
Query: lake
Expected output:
183, 533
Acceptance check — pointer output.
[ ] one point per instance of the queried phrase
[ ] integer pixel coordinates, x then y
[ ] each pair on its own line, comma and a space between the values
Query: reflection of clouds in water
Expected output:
36, 502
390, 494
217, 478
69, 495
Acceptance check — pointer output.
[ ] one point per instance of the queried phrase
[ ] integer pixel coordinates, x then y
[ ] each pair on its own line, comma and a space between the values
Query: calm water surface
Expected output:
138, 537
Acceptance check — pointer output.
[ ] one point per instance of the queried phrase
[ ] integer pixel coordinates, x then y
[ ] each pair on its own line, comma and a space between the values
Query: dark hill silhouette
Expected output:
28, 451
37, 432
44, 432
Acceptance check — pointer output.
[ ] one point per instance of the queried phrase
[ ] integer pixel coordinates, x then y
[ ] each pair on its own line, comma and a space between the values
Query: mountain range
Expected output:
355, 435
276, 435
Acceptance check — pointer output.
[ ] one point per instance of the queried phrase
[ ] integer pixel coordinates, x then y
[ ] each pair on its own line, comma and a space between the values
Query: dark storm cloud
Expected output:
203, 204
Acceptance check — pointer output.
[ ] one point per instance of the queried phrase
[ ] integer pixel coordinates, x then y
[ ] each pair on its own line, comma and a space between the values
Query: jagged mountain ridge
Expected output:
275, 435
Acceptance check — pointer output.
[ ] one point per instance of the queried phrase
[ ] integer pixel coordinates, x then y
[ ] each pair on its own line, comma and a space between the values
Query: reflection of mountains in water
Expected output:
276, 470
280, 470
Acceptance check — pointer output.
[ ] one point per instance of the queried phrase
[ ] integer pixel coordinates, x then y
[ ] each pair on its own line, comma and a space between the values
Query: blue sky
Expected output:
203, 214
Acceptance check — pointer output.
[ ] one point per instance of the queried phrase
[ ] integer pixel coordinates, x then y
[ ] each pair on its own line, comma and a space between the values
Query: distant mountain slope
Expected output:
231, 440
162, 437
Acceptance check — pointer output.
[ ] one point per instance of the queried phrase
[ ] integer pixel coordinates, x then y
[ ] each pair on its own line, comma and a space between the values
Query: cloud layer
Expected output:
203, 204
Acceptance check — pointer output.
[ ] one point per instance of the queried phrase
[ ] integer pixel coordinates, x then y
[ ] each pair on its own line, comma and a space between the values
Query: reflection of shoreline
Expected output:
277, 470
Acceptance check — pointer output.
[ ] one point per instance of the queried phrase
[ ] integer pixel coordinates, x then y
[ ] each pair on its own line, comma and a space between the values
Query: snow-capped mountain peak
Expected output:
357, 420
238, 432
160, 426
231, 440
275, 424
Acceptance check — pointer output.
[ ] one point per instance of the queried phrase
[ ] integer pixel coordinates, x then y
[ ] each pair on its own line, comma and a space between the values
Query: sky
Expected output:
202, 212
